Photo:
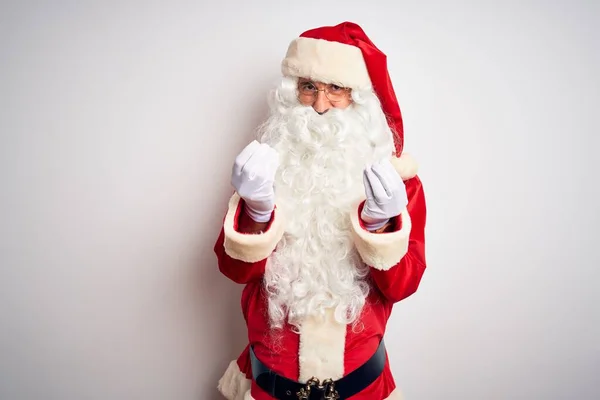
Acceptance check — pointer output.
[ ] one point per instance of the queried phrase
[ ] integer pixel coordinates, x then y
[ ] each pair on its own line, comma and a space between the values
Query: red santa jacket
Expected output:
324, 349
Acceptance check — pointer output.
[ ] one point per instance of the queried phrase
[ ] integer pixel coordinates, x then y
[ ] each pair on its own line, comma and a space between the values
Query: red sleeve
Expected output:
400, 256
403, 279
238, 270
242, 256
244, 363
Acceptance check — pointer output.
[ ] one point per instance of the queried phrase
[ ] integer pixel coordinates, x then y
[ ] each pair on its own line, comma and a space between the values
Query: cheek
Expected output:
305, 102
343, 104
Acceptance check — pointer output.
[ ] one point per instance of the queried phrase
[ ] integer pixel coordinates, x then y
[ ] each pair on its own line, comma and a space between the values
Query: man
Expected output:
325, 228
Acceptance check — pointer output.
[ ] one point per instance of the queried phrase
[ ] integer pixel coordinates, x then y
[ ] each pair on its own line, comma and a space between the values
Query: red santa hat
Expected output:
344, 55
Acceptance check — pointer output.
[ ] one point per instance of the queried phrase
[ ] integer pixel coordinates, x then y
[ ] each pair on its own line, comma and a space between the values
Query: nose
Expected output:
322, 103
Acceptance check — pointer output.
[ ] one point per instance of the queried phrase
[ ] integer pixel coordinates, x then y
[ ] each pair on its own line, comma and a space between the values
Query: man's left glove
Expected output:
386, 194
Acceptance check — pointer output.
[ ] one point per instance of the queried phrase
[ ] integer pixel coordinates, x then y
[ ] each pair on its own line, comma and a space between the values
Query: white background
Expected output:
119, 122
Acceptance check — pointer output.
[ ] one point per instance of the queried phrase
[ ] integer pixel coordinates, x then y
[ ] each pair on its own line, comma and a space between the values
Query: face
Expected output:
322, 97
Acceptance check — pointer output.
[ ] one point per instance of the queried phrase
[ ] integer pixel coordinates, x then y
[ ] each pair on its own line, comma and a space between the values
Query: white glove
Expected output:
253, 175
386, 194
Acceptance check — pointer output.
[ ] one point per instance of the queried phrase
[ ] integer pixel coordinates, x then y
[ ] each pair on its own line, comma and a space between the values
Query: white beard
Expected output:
316, 266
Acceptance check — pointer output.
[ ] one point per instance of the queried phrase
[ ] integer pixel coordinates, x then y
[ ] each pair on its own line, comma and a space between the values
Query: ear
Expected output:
405, 165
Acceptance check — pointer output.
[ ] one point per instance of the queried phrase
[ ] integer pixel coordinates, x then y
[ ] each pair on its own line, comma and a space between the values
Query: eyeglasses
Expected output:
307, 91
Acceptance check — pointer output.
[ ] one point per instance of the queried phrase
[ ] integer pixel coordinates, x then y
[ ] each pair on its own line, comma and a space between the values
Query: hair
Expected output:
315, 266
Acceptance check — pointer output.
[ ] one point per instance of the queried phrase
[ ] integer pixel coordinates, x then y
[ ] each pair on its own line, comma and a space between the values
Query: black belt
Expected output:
283, 388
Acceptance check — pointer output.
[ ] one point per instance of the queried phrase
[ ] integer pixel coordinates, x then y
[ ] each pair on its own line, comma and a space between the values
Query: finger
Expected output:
368, 188
273, 163
269, 162
389, 168
393, 177
244, 156
386, 173
386, 165
379, 191
256, 163
272, 154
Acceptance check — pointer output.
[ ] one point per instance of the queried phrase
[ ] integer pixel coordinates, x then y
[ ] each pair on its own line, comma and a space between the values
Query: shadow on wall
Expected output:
222, 329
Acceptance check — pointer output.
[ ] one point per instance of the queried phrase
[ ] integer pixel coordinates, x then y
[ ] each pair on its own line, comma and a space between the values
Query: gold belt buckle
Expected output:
328, 387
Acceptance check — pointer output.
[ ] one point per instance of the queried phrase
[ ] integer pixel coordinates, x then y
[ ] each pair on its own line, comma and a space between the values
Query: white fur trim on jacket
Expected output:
322, 344
250, 247
326, 61
381, 250
234, 385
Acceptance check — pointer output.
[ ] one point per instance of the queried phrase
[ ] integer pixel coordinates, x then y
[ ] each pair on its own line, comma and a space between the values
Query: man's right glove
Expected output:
253, 176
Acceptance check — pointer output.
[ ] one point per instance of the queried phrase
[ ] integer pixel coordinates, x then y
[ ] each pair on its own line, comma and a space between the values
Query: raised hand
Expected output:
253, 176
386, 194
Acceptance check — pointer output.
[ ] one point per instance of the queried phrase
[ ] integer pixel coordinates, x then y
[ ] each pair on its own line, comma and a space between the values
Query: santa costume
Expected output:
319, 286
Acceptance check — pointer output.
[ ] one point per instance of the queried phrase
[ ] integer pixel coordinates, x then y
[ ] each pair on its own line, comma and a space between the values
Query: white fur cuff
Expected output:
381, 250
250, 247
328, 62
234, 385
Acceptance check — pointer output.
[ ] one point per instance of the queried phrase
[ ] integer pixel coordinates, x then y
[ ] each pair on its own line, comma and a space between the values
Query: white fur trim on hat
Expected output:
326, 61
405, 165
250, 247
233, 385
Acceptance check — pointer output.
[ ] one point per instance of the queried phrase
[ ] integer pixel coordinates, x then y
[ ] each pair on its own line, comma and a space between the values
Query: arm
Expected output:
396, 256
241, 254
